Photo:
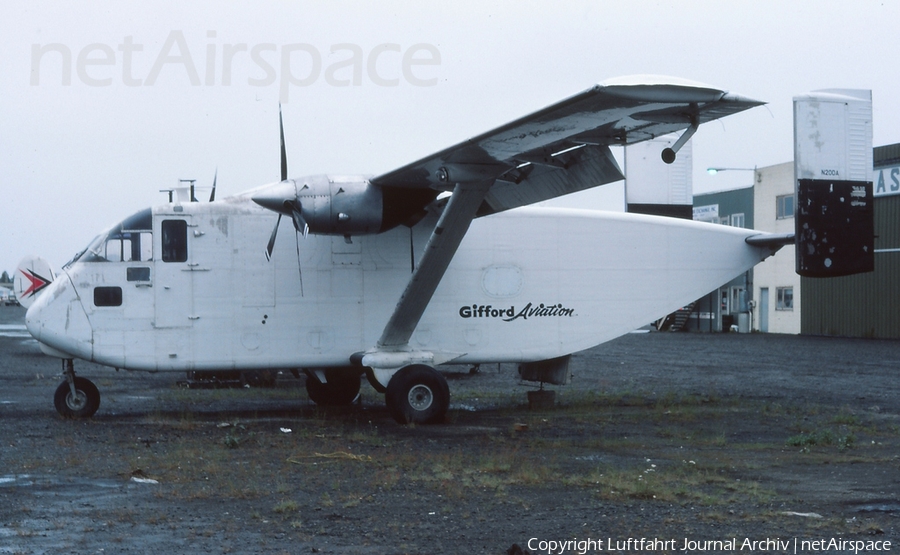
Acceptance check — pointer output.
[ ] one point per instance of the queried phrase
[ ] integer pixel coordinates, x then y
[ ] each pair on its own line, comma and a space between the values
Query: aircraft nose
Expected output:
274, 196
57, 321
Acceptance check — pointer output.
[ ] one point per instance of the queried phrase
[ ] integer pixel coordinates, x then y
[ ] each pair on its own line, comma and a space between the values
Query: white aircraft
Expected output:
436, 262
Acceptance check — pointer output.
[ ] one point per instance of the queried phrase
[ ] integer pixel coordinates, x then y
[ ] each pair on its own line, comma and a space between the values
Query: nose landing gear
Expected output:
76, 397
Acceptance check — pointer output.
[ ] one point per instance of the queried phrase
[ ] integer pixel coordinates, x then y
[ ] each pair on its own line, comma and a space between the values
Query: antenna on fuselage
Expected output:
192, 182
212, 194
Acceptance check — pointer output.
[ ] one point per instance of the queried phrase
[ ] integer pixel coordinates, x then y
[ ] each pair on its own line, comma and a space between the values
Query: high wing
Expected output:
564, 148
561, 149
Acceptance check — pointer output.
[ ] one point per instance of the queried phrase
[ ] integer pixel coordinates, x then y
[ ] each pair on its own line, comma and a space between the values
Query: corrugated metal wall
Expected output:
864, 305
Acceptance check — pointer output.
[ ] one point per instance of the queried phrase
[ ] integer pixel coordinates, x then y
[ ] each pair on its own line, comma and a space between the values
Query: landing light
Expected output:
714, 171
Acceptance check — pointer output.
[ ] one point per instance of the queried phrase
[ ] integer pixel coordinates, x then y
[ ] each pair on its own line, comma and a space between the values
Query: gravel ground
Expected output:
716, 440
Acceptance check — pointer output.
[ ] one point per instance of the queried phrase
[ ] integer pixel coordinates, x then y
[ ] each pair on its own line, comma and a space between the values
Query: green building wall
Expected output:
864, 305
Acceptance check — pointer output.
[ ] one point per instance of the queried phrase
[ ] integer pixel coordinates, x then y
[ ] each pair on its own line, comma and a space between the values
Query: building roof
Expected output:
888, 155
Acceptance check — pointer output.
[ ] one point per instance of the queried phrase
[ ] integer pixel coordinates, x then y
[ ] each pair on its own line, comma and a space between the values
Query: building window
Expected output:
785, 299
737, 303
784, 207
737, 220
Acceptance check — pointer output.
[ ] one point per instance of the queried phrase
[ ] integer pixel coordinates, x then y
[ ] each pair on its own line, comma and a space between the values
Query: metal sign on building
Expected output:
708, 213
887, 181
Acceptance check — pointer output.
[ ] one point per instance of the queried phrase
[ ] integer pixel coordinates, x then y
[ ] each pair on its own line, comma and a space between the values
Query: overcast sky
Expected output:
159, 91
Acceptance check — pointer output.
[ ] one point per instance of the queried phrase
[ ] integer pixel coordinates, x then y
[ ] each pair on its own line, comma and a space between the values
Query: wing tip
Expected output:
664, 87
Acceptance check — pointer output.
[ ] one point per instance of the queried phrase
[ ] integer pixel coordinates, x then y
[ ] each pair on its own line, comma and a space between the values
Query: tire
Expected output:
342, 388
376, 385
418, 394
83, 405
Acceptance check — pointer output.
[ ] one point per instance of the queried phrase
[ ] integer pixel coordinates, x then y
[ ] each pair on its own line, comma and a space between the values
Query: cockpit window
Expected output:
129, 241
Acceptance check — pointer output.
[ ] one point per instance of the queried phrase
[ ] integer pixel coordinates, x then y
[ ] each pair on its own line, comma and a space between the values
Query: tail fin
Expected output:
656, 188
835, 225
834, 228
33, 275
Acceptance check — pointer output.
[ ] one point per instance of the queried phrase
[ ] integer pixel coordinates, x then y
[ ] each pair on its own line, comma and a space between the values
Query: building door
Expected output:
764, 310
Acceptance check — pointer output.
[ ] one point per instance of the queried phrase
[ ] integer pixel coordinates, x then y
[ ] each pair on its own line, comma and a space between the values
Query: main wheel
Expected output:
341, 388
83, 404
418, 394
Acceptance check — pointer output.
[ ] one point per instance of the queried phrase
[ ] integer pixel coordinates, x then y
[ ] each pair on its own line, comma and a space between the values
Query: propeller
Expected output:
297, 216
284, 173
271, 244
294, 206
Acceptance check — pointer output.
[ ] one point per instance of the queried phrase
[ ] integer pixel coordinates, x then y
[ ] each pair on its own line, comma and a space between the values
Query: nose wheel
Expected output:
76, 397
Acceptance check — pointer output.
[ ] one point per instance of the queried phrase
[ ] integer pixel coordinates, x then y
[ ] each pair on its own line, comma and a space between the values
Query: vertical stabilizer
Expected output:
33, 275
653, 187
833, 169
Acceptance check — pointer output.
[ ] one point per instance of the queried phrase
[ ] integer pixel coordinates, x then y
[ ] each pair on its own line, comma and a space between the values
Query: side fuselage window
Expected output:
174, 241
107, 296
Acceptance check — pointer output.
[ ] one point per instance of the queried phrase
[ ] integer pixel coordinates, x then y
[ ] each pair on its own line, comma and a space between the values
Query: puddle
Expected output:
29, 480
14, 330
883, 507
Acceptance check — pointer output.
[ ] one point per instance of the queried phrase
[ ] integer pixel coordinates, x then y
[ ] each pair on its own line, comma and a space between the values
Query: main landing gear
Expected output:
341, 387
417, 394
76, 397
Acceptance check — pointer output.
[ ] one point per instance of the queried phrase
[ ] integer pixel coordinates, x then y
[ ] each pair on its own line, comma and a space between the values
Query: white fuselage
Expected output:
525, 285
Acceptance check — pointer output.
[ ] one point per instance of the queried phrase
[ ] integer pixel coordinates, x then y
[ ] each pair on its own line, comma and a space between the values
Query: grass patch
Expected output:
287, 506
820, 438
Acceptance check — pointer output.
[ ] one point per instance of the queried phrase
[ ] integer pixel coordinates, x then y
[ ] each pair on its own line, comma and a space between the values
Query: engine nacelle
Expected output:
333, 206
344, 205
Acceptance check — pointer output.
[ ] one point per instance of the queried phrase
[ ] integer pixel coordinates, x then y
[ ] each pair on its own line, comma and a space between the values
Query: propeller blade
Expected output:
297, 216
284, 173
271, 244
212, 195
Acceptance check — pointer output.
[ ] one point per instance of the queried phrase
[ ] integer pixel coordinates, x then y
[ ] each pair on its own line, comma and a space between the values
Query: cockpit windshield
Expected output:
129, 241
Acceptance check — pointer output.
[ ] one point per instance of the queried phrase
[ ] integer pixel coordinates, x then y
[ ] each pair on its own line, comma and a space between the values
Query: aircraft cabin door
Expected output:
173, 287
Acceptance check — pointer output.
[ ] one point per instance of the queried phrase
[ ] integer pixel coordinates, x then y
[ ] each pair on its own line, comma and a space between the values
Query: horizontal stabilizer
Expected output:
772, 240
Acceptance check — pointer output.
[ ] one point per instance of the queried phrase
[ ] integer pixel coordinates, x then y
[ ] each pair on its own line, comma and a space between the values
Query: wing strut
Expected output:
668, 154
442, 245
